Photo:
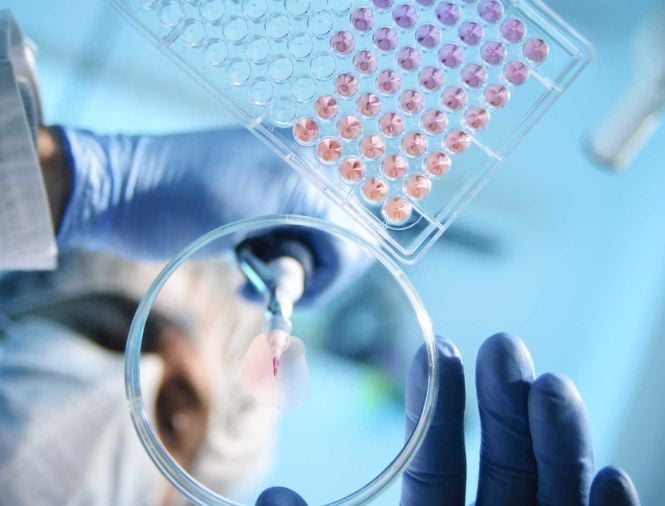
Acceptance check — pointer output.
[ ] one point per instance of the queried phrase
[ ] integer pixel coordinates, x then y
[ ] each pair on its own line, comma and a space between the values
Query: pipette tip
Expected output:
275, 366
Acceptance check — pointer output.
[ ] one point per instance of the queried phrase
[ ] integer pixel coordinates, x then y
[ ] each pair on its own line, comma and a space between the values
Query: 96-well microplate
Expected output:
398, 110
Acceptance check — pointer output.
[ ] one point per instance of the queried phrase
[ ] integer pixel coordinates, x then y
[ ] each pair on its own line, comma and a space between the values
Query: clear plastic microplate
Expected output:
398, 110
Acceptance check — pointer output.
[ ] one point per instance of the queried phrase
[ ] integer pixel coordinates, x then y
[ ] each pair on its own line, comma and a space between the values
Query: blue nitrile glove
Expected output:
279, 496
146, 197
536, 445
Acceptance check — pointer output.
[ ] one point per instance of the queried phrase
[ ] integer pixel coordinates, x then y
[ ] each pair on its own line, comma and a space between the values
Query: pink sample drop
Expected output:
457, 141
329, 150
431, 78
365, 62
490, 10
388, 81
397, 210
496, 95
476, 117
326, 107
516, 72
279, 382
434, 121
391, 124
305, 130
513, 30
405, 16
451, 55
342, 42
437, 163
362, 19
417, 186
454, 98
352, 169
428, 36
408, 58
414, 144
346, 84
411, 101
473, 75
448, 13
470, 33
349, 127
536, 50
385, 38
375, 189
368, 105
372, 147
394, 166
493, 52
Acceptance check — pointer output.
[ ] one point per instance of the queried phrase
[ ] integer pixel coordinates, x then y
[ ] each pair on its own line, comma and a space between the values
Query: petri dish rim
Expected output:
186, 484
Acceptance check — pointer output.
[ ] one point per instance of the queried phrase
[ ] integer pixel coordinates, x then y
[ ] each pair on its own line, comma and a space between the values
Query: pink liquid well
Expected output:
368, 105
434, 121
362, 19
305, 130
417, 186
493, 52
352, 169
497, 95
473, 75
326, 107
388, 81
457, 141
516, 72
454, 98
329, 150
431, 78
375, 189
397, 210
437, 163
391, 124
365, 62
349, 127
342, 42
411, 101
476, 117
346, 85
414, 144
372, 147
394, 166
536, 50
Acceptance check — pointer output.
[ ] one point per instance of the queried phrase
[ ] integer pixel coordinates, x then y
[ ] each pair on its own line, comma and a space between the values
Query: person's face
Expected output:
183, 400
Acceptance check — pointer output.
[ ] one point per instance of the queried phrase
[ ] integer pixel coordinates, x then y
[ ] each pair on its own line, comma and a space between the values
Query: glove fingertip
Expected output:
613, 487
451, 377
503, 359
279, 496
547, 395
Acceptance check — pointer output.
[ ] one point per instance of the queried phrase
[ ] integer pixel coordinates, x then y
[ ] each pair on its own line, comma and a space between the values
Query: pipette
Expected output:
274, 367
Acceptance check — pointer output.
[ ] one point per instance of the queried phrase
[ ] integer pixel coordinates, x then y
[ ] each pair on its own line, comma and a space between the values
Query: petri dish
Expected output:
186, 482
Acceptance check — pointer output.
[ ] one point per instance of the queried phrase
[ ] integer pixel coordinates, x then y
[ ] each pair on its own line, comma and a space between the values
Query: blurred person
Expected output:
65, 437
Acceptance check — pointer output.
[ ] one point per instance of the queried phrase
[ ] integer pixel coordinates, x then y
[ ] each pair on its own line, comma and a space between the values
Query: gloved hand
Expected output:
536, 445
147, 197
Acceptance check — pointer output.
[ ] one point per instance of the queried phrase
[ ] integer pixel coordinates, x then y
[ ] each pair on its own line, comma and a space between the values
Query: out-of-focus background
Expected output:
564, 253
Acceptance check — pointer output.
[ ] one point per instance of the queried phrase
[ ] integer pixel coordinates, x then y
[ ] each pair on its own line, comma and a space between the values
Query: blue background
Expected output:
577, 263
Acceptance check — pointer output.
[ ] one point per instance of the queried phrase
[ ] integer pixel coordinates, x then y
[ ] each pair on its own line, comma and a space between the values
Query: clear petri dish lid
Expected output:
398, 111
337, 435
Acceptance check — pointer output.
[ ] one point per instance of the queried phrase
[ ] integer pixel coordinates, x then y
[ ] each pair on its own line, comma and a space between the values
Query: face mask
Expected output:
65, 433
